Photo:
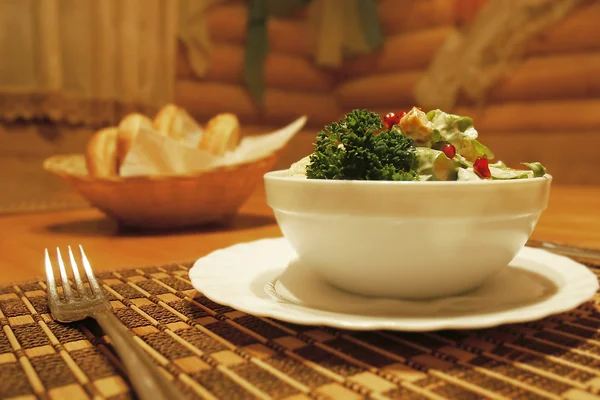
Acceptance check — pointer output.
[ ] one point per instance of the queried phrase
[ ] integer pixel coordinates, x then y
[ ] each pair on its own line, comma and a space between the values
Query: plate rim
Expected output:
569, 300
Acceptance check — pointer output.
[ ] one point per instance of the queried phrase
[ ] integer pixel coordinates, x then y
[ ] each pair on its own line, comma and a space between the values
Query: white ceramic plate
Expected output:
254, 278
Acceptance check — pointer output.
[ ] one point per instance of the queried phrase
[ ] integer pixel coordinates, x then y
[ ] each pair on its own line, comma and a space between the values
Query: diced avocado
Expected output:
537, 168
464, 123
467, 174
483, 150
435, 163
509, 173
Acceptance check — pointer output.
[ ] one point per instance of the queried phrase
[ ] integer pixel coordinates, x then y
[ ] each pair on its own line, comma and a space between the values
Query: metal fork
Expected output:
79, 303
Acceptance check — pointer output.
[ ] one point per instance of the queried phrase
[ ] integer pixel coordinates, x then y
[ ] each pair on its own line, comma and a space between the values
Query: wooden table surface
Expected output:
572, 217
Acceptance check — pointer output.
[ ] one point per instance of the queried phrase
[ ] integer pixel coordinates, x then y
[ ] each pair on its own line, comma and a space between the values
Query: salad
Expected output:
412, 146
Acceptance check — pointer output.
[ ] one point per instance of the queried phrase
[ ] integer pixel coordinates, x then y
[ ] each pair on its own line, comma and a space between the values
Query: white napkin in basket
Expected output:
156, 154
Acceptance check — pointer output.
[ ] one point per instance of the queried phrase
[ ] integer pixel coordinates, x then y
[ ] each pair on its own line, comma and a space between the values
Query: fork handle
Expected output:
144, 375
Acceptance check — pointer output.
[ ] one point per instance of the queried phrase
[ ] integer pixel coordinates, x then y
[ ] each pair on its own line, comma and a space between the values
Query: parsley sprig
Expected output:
358, 147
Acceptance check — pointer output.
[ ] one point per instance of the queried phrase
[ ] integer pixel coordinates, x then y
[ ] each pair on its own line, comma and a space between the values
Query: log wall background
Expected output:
547, 109
294, 84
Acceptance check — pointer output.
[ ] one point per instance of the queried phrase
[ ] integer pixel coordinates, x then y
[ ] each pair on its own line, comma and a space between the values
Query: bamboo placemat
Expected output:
37, 195
29, 206
213, 351
28, 188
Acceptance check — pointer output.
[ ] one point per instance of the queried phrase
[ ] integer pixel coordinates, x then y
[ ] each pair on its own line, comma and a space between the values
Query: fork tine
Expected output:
76, 275
96, 289
63, 276
50, 282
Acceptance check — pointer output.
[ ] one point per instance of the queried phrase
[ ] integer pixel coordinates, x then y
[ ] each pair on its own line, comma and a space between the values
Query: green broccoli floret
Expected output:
358, 147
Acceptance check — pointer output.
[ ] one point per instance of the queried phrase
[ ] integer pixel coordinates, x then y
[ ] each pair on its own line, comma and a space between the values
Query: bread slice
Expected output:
221, 134
101, 153
175, 122
164, 119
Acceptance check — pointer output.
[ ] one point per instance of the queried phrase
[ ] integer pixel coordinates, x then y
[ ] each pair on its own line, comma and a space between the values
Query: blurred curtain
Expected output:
86, 61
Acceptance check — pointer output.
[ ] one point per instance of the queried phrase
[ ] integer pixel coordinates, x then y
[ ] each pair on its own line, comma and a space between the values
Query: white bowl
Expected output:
411, 240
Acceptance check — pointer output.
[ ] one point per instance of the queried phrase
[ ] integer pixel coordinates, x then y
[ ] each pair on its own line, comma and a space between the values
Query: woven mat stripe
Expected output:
352, 385
214, 351
56, 348
274, 345
413, 367
163, 328
103, 343
278, 348
35, 384
525, 370
79, 375
271, 370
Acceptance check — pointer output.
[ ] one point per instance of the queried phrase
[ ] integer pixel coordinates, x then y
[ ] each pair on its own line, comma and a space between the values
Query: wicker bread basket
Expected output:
164, 202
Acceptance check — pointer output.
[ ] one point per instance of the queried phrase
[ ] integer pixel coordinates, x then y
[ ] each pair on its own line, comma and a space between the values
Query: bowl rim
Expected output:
281, 176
